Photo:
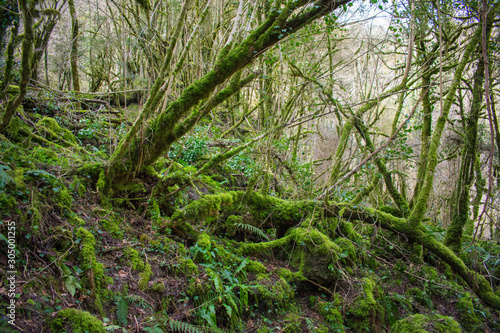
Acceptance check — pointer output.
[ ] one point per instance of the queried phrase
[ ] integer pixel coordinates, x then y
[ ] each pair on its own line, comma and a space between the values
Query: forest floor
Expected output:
205, 259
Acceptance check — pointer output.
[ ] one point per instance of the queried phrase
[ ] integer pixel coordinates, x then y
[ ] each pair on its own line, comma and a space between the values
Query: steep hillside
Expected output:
178, 251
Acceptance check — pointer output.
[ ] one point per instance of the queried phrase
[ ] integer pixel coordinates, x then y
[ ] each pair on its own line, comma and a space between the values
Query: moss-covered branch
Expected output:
161, 134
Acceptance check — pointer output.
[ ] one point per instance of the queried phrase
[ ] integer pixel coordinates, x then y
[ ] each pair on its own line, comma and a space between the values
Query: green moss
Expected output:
330, 311
346, 229
468, 318
419, 323
101, 182
204, 241
255, 267
347, 253
205, 209
188, 267
55, 131
313, 256
421, 297
77, 321
292, 323
112, 227
366, 312
230, 224
158, 287
8, 204
273, 293
133, 256
144, 277
96, 278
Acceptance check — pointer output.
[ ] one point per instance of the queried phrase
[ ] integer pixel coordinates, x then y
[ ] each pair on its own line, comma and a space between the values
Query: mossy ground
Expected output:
206, 258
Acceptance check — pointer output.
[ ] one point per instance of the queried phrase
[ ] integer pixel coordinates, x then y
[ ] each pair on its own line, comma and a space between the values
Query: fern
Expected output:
251, 229
180, 326
204, 299
139, 301
122, 311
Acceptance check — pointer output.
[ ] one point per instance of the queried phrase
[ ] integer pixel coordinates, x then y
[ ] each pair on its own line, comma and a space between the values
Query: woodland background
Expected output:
251, 166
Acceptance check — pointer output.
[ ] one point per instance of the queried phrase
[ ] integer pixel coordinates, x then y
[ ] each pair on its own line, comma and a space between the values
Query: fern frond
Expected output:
122, 311
183, 327
251, 229
204, 299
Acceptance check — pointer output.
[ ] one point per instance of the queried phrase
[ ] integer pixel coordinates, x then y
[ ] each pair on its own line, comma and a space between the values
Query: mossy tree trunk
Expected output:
74, 47
9, 62
164, 130
28, 11
419, 209
460, 207
42, 36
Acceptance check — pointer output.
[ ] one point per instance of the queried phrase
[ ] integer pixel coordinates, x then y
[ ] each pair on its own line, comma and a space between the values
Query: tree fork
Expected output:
160, 135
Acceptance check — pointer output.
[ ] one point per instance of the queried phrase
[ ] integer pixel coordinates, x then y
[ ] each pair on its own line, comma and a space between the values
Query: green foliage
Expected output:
419, 323
251, 230
189, 149
183, 327
468, 317
122, 310
144, 277
331, 311
76, 321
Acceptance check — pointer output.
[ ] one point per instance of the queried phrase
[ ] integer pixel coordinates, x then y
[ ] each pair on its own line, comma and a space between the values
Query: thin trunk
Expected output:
74, 46
418, 212
27, 51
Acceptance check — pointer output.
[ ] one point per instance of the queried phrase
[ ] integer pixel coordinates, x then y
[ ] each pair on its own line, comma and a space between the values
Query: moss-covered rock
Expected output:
313, 256
468, 318
271, 292
366, 313
51, 128
77, 321
426, 324
330, 311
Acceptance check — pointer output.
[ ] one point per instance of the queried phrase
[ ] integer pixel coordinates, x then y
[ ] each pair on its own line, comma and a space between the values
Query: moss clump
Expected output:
112, 227
331, 312
293, 323
468, 318
348, 253
366, 312
144, 277
230, 224
52, 129
133, 256
8, 204
97, 280
313, 256
426, 324
77, 321
272, 293
421, 297
346, 229
206, 209
188, 267
255, 267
